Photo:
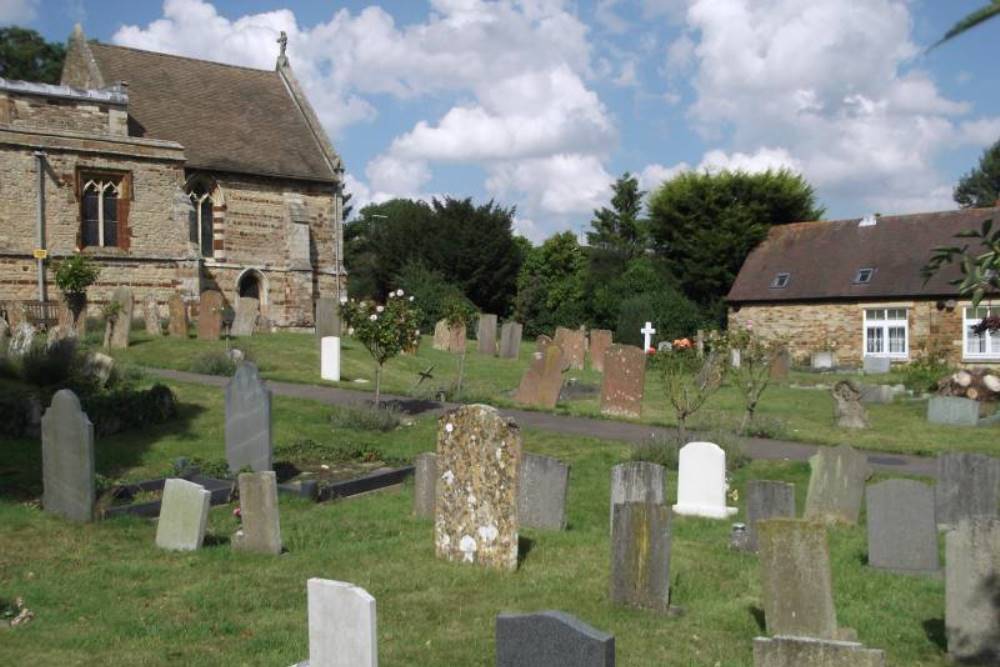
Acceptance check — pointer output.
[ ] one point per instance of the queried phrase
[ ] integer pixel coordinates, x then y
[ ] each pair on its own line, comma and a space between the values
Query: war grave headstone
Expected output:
475, 512
573, 343
151, 316
247, 312
972, 591
327, 318
767, 500
877, 365
968, 486
640, 556
600, 341
848, 411
701, 481
542, 381
636, 482
68, 459
441, 336
836, 484
248, 420
425, 484
809, 652
261, 530
121, 325
486, 334
329, 359
510, 340
551, 639
624, 381
183, 515
210, 315
342, 625
541, 497
178, 325
902, 535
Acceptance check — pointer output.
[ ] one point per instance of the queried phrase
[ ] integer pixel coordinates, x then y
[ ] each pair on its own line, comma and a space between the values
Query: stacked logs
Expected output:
979, 385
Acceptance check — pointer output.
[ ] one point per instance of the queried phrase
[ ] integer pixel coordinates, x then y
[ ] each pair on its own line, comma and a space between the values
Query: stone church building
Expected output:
174, 175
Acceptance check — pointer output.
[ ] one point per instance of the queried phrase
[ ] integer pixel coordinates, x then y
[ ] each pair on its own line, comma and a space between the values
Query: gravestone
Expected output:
876, 365
636, 482
972, 592
541, 492
183, 515
68, 459
640, 556
329, 359
441, 336
178, 325
151, 315
99, 366
809, 652
848, 411
735, 357
836, 484
664, 346
542, 381
456, 338
968, 486
542, 342
573, 343
247, 312
701, 481
795, 578
261, 531
822, 361
953, 411
478, 463
57, 335
22, 340
121, 326
425, 484
210, 315
781, 364
600, 341
767, 500
510, 340
327, 318
486, 334
624, 381
879, 394
342, 626
902, 535
551, 639
248, 420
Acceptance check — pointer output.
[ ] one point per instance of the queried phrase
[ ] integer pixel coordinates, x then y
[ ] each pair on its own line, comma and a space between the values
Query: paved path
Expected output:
604, 429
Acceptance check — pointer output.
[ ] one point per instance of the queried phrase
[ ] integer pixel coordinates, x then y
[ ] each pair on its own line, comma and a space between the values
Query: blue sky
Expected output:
542, 103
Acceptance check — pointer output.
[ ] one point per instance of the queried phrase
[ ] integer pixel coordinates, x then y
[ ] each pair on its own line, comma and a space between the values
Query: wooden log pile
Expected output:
977, 384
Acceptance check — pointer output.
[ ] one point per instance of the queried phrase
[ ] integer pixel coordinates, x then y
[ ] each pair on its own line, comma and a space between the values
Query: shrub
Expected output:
51, 365
433, 292
117, 410
308, 450
923, 373
672, 314
381, 419
216, 468
13, 414
216, 362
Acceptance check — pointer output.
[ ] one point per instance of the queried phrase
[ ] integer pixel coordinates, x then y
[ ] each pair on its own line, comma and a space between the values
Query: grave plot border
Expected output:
221, 490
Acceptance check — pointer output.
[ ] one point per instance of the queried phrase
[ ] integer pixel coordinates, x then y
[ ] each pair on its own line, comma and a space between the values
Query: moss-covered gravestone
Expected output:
640, 556
120, 325
972, 592
836, 484
968, 486
261, 530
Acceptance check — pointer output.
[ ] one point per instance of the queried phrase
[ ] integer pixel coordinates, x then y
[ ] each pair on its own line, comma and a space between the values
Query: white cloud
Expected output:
569, 183
18, 11
654, 175
761, 160
388, 175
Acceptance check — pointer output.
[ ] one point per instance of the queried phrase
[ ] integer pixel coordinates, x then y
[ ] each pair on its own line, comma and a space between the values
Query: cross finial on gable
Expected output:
283, 42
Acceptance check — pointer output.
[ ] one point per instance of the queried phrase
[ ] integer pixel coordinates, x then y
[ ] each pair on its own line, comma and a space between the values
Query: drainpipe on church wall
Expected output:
40, 223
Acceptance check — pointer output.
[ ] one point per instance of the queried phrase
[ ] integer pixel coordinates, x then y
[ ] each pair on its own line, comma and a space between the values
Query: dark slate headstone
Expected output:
510, 340
248, 420
836, 484
809, 652
541, 492
68, 459
486, 334
425, 484
902, 535
327, 318
551, 639
968, 485
972, 592
767, 500
640, 556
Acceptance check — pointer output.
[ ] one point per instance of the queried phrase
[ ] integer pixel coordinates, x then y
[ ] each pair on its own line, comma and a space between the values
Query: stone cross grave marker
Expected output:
600, 341
647, 336
541, 497
121, 326
968, 486
210, 315
247, 312
701, 481
486, 334
68, 459
624, 381
475, 512
573, 343
636, 482
972, 591
836, 484
542, 381
248, 420
551, 639
178, 325
902, 535
327, 318
261, 531
510, 340
151, 315
767, 500
640, 556
342, 625
425, 484
806, 652
183, 515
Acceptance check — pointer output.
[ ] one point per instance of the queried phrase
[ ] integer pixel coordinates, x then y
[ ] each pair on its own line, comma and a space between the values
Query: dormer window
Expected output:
863, 276
781, 280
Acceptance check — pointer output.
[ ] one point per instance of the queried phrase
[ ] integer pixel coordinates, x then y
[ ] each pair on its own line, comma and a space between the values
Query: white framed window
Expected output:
979, 346
886, 333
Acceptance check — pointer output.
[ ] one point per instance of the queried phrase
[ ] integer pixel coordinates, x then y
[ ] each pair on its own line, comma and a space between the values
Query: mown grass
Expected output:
103, 594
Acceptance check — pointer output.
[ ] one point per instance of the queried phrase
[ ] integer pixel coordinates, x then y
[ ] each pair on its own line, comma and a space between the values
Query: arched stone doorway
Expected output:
251, 302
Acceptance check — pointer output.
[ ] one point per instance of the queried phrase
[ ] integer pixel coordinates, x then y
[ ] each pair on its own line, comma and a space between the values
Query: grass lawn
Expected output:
804, 415
103, 594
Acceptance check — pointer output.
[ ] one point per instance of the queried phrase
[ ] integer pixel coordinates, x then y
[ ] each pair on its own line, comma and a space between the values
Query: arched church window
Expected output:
201, 228
100, 210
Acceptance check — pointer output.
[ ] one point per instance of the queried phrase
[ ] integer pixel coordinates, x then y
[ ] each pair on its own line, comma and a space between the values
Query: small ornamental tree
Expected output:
384, 330
688, 381
458, 312
753, 374
73, 276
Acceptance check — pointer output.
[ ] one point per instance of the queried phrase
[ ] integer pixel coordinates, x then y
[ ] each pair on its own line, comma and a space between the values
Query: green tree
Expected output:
551, 285
384, 330
25, 55
970, 21
621, 230
981, 186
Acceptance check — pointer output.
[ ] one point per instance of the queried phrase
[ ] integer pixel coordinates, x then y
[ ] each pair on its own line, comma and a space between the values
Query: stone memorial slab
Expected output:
573, 343
121, 326
510, 340
542, 381
637, 482
342, 625
151, 316
425, 484
701, 481
22, 340
781, 364
836, 484
808, 652
486, 334
795, 578
968, 486
541, 492
247, 313
248, 420
822, 361
600, 341
327, 318
953, 411
183, 515
178, 325
551, 639
767, 500
624, 381
210, 315
261, 531
441, 336
640, 556
68, 459
478, 463
329, 359
456, 338
877, 365
972, 592
902, 534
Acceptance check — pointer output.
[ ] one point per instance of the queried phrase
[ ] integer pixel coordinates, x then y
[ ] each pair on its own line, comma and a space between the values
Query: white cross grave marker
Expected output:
648, 332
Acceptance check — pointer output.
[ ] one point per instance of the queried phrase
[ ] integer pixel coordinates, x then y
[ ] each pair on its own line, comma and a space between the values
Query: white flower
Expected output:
343, 299
350, 331
417, 334
411, 298
373, 317
379, 309
399, 292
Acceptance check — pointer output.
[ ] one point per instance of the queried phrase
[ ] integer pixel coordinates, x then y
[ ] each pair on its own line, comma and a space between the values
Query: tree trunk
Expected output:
378, 385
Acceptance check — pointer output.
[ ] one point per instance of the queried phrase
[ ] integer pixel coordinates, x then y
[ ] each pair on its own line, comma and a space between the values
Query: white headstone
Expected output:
701, 484
183, 515
330, 358
341, 625
735, 357
647, 332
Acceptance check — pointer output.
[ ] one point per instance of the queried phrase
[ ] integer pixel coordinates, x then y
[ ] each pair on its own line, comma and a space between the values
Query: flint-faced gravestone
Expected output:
425, 484
551, 639
210, 315
478, 463
972, 591
542, 381
640, 556
795, 578
183, 515
837, 484
486, 334
327, 318
902, 535
624, 381
441, 336
248, 420
151, 315
247, 312
178, 325
121, 325
968, 486
808, 652
510, 340
600, 341
541, 495
261, 531
636, 482
767, 500
68, 459
574, 346
342, 628
701, 481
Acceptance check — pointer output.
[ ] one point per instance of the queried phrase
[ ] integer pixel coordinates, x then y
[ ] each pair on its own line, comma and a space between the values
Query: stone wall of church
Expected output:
52, 113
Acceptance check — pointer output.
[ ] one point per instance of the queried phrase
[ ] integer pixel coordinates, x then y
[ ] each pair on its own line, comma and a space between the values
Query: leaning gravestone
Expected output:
327, 318
968, 486
972, 592
600, 341
902, 535
475, 512
68, 459
848, 411
121, 326
425, 484
701, 481
210, 315
261, 531
836, 484
624, 381
248, 420
542, 381
541, 492
636, 482
767, 500
795, 578
510, 340
21, 342
178, 325
574, 346
441, 336
640, 556
551, 639
486, 334
247, 312
151, 315
183, 515
809, 652
342, 627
